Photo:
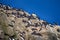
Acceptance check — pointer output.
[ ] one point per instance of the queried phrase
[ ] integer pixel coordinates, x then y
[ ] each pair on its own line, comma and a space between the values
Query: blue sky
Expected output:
48, 10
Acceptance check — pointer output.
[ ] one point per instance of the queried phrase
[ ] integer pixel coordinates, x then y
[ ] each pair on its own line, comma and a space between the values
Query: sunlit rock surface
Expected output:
17, 24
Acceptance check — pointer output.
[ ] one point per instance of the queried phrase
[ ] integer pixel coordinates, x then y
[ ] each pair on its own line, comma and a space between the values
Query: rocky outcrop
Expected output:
17, 24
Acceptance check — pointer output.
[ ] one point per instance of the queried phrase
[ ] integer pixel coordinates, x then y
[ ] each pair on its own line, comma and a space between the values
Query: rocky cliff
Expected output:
17, 24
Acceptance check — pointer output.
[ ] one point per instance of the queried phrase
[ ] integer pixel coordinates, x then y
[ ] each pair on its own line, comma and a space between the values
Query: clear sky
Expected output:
48, 10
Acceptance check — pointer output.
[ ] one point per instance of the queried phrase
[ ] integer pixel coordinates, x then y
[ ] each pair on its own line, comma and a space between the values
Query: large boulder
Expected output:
34, 15
27, 14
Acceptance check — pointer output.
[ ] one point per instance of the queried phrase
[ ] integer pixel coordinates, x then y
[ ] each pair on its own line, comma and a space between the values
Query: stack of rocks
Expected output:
17, 24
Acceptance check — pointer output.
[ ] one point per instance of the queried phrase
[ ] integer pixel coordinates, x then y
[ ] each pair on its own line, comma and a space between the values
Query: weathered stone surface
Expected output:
16, 24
